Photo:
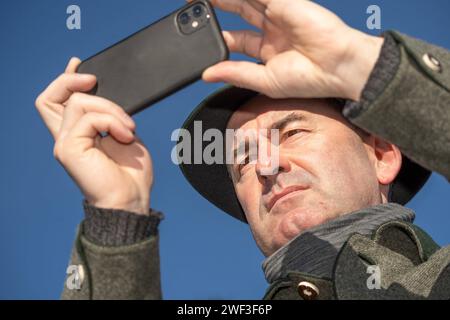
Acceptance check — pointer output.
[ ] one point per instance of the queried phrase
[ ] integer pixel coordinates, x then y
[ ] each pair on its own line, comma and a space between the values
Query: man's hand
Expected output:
307, 51
113, 171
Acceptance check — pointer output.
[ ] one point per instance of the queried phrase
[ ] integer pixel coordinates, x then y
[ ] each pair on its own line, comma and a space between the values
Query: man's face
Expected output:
325, 169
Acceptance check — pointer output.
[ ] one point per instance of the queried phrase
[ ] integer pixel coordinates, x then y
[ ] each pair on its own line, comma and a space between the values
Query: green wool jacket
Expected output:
413, 112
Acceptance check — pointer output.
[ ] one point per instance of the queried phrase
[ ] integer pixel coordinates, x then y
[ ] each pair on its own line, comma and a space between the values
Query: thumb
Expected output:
242, 74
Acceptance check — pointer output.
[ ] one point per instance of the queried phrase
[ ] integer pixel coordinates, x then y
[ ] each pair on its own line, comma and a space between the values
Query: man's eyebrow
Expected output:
283, 122
278, 125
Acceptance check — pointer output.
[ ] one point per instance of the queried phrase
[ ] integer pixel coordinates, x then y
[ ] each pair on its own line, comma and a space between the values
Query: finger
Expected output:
91, 124
49, 103
62, 88
261, 6
81, 103
251, 11
242, 74
247, 42
73, 65
68, 82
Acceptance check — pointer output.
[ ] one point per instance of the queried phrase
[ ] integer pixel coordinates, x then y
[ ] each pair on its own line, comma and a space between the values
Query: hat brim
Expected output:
212, 181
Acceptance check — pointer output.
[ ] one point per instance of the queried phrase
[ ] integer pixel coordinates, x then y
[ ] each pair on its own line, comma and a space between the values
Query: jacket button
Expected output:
432, 63
307, 290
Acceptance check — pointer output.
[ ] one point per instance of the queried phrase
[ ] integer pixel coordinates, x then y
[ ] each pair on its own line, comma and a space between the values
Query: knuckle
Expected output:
106, 105
74, 99
96, 118
58, 151
92, 116
39, 102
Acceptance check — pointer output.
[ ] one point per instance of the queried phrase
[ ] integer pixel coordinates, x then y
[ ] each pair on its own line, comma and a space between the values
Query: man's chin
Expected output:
295, 222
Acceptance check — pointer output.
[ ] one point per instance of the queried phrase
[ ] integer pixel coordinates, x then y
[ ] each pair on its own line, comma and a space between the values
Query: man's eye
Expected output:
291, 133
243, 164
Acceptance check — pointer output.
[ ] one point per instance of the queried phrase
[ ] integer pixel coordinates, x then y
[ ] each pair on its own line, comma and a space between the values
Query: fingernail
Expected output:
226, 36
131, 135
208, 74
87, 76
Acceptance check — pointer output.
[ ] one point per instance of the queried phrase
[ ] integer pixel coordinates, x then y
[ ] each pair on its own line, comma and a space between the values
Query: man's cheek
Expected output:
249, 202
329, 168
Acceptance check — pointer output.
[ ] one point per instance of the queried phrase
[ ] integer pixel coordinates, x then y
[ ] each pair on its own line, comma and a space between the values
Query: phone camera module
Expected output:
185, 18
198, 11
193, 19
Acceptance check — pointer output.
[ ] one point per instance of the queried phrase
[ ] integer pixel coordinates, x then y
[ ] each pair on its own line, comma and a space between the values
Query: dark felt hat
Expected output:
212, 180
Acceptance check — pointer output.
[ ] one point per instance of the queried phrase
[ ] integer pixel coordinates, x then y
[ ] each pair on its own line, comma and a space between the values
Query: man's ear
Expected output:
388, 160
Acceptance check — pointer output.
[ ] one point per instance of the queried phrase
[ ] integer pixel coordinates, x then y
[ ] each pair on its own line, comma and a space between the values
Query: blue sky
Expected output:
204, 253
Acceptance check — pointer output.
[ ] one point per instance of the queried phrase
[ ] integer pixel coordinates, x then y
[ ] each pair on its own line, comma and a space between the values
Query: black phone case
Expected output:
156, 61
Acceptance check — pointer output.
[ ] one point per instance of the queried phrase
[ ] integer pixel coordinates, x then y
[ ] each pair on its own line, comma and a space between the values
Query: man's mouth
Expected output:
283, 195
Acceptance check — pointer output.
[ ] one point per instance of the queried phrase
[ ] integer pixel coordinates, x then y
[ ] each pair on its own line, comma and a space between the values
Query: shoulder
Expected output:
400, 261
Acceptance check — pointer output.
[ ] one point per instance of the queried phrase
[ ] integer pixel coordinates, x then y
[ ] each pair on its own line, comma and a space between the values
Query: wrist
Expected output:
362, 54
138, 206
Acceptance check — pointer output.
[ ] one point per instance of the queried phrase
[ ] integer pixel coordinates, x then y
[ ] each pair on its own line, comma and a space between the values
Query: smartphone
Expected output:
159, 59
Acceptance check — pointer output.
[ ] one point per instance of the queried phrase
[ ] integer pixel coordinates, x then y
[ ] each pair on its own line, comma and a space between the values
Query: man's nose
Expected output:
269, 170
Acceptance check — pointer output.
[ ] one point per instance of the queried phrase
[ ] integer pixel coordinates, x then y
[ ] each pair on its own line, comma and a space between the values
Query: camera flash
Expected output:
194, 24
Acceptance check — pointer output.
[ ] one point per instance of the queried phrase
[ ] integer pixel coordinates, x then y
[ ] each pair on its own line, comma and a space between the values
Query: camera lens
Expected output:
198, 11
184, 18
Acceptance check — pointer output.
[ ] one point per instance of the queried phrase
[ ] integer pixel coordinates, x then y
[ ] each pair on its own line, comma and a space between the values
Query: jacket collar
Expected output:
314, 252
401, 251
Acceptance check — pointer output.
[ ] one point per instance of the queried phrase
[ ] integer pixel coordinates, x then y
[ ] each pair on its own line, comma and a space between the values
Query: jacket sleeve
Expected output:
407, 101
115, 256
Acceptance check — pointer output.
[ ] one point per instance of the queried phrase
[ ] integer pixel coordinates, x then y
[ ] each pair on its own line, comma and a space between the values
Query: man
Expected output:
331, 214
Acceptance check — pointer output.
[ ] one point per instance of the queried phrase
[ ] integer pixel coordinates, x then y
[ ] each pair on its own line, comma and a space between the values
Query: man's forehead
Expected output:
262, 111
